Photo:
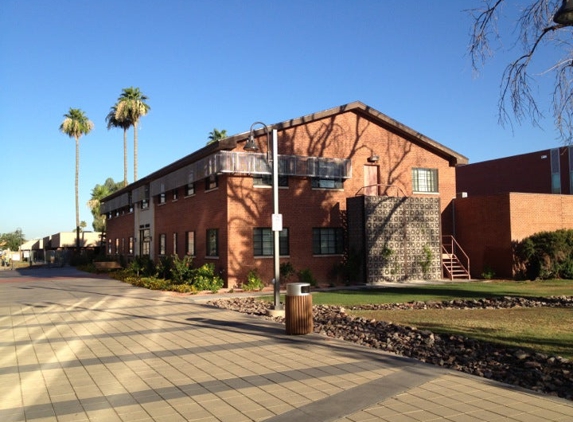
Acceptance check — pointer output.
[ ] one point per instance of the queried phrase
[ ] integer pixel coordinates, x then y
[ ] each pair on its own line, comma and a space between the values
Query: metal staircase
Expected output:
455, 262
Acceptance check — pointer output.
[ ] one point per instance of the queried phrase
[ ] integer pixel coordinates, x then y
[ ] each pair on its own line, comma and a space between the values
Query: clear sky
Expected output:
225, 64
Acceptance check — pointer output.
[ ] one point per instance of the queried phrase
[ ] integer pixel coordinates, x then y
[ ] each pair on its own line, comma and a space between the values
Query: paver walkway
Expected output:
74, 347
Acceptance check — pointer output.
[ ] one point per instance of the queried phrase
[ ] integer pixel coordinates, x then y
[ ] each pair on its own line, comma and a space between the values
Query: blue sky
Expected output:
225, 64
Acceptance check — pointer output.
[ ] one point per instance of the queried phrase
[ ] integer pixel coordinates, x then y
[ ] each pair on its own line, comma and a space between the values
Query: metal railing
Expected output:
455, 254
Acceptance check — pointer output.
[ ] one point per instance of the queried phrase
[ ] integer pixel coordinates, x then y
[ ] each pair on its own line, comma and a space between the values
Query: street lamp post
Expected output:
276, 218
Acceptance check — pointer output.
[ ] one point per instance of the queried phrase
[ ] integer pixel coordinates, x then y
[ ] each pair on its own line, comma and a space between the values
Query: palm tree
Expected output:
125, 124
98, 193
131, 107
76, 124
217, 135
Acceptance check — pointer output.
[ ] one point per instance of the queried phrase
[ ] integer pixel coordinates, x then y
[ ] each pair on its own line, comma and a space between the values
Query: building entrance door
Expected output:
371, 181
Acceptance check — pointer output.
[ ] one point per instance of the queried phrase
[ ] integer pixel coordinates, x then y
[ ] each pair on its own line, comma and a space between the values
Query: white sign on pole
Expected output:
277, 222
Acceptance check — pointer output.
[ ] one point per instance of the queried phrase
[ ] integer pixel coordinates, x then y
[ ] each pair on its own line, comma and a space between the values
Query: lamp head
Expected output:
564, 15
251, 145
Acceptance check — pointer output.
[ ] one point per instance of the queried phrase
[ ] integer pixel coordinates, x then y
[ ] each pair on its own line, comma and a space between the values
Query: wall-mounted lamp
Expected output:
373, 158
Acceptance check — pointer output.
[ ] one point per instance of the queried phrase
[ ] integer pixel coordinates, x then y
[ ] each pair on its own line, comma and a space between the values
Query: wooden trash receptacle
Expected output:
298, 309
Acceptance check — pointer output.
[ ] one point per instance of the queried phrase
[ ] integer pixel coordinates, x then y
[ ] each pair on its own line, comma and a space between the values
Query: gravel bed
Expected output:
548, 374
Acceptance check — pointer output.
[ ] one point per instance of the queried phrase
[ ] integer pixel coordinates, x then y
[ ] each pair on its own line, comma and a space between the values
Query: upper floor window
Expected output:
424, 180
263, 241
190, 189
265, 180
175, 194
211, 182
327, 241
162, 198
318, 183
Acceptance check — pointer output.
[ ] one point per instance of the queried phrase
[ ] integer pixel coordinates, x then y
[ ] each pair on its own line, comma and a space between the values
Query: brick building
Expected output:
503, 201
216, 203
548, 171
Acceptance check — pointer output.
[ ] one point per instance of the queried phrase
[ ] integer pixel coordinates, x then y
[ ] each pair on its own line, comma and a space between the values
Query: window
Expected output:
190, 243
190, 189
145, 201
130, 245
318, 183
116, 246
109, 246
212, 242
174, 243
263, 241
162, 239
425, 180
175, 194
327, 241
145, 240
162, 198
267, 180
211, 182
123, 245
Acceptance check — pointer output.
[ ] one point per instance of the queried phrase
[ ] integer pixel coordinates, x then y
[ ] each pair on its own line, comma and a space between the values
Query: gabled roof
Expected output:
357, 107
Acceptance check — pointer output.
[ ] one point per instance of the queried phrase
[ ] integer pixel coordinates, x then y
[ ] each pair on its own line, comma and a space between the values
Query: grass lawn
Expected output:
547, 330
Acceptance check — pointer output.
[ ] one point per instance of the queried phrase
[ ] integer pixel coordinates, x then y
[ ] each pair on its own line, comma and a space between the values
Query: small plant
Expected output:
488, 272
181, 269
305, 276
254, 281
204, 278
426, 262
286, 271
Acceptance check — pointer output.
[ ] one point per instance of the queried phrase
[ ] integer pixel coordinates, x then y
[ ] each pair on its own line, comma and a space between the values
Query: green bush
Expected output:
204, 278
305, 276
143, 266
181, 270
286, 271
254, 281
546, 255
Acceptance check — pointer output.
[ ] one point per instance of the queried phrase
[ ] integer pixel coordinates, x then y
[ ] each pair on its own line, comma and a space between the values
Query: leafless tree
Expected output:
534, 30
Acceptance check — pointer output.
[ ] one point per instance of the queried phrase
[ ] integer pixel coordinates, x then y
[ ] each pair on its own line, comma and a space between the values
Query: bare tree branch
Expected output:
534, 24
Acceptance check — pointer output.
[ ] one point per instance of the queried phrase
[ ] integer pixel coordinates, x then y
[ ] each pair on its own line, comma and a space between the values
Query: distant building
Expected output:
547, 171
503, 201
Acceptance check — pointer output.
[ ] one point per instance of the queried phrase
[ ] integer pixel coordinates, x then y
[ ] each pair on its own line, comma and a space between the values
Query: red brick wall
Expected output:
120, 227
520, 173
486, 226
236, 207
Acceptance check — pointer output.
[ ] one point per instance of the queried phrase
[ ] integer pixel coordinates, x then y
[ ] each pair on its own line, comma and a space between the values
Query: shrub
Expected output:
305, 276
142, 265
546, 255
181, 269
254, 281
488, 273
204, 278
286, 271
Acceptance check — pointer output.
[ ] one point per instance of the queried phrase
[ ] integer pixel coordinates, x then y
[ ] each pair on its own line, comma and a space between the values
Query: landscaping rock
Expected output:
549, 374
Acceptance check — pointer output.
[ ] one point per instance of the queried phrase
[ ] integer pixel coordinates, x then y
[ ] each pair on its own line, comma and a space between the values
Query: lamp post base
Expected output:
275, 313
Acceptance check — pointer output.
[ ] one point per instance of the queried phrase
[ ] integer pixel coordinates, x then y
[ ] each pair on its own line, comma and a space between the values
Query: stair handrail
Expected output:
454, 247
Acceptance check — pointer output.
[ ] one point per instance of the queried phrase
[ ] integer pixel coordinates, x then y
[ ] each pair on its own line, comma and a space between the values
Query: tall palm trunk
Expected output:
124, 156
135, 151
77, 191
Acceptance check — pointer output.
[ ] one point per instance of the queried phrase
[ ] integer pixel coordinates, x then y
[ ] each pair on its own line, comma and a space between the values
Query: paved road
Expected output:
74, 347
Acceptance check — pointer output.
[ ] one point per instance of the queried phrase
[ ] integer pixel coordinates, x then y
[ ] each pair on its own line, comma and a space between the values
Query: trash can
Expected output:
298, 309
